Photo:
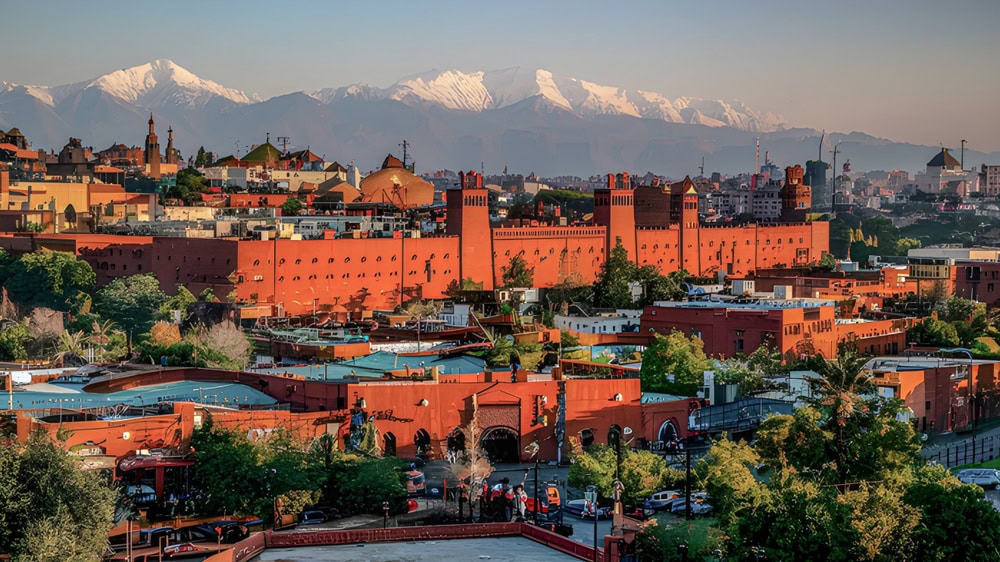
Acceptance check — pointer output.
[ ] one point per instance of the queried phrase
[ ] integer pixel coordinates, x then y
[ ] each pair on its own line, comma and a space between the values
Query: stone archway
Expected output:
500, 444
456, 444
422, 441
668, 436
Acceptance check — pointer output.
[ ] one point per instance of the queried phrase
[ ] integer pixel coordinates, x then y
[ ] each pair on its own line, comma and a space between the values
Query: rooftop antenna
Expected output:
267, 138
237, 143
284, 144
702, 167
406, 147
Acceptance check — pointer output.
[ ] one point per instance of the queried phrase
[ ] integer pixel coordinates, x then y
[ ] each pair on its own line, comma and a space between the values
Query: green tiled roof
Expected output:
263, 153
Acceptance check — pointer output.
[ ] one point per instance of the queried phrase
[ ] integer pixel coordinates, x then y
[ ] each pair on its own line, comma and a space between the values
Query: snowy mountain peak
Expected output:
163, 81
482, 91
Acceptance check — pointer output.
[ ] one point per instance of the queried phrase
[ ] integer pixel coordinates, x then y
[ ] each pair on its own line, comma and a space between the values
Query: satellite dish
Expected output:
627, 431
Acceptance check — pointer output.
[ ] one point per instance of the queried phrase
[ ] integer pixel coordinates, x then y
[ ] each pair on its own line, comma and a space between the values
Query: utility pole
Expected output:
405, 145
284, 145
833, 198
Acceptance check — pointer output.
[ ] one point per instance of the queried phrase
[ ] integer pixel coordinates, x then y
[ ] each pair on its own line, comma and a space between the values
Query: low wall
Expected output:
254, 545
394, 534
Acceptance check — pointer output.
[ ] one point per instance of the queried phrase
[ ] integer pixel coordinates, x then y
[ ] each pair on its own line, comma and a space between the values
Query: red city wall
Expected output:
556, 253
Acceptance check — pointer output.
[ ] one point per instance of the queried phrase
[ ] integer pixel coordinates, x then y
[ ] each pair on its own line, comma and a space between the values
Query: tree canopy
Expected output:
674, 364
50, 509
517, 274
131, 302
46, 278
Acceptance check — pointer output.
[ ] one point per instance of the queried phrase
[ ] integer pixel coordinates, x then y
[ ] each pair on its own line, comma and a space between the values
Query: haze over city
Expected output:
888, 69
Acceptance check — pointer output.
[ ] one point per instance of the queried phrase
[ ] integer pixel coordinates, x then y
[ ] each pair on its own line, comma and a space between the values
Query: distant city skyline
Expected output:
909, 70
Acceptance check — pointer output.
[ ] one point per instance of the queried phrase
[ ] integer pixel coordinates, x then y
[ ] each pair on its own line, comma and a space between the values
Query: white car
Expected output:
985, 477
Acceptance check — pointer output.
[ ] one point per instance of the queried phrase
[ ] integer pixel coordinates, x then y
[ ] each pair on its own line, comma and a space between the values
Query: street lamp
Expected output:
385, 518
969, 393
591, 496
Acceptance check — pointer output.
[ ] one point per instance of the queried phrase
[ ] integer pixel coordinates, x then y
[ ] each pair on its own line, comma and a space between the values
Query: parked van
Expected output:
985, 477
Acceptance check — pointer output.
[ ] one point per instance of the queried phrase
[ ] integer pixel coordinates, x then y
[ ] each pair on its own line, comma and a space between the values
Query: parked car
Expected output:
698, 507
313, 517
584, 509
662, 500
985, 477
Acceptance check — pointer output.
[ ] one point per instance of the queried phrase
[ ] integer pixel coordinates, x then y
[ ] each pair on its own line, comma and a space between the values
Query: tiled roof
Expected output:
944, 160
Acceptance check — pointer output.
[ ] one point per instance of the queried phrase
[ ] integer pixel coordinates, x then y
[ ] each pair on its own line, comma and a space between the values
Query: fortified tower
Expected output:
171, 154
614, 209
469, 219
684, 214
796, 196
152, 151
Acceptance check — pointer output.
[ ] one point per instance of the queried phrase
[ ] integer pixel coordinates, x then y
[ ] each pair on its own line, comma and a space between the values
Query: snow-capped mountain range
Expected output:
527, 120
482, 91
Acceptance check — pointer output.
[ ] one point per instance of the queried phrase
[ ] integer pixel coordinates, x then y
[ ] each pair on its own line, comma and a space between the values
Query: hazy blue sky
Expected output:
914, 70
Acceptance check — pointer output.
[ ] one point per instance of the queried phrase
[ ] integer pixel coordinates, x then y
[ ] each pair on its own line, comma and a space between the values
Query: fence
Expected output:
970, 451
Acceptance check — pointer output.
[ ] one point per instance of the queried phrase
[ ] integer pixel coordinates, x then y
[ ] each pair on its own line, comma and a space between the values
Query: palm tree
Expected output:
101, 335
71, 348
840, 386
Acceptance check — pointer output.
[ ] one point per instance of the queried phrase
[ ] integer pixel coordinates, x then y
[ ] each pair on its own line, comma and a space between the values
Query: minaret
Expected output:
469, 219
152, 151
171, 154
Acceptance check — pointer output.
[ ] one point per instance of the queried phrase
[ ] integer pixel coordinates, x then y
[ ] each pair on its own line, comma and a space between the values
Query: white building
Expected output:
944, 174
621, 321
989, 180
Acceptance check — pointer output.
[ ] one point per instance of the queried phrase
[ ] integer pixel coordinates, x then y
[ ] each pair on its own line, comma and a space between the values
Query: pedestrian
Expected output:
515, 366
520, 500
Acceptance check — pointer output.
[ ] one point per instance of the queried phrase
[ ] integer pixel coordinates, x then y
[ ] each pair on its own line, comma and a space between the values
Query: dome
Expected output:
398, 186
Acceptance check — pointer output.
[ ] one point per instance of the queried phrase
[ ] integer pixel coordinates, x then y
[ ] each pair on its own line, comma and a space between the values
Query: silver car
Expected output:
985, 477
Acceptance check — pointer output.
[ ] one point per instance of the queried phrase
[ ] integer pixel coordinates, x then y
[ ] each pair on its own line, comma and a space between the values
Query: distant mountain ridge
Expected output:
525, 120
483, 91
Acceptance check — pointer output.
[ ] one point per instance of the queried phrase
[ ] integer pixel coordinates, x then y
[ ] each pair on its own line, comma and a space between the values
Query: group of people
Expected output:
506, 501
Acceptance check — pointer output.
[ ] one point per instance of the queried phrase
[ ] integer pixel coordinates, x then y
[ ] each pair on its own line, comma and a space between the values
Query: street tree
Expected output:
643, 473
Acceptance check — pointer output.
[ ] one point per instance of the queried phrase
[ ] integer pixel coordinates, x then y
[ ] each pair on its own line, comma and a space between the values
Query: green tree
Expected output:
612, 288
933, 332
674, 364
291, 207
180, 302
200, 160
643, 473
14, 342
828, 262
360, 485
751, 372
49, 279
456, 288
956, 522
50, 510
659, 287
131, 302
190, 185
517, 274
227, 471
904, 245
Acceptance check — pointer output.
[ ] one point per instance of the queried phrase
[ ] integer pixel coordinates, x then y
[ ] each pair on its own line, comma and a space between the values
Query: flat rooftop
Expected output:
747, 304
494, 549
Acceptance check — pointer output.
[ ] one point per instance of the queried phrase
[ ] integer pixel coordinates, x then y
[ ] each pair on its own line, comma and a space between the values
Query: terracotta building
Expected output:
368, 273
797, 329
